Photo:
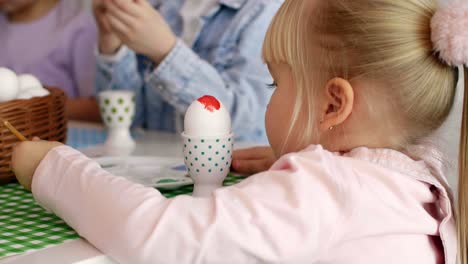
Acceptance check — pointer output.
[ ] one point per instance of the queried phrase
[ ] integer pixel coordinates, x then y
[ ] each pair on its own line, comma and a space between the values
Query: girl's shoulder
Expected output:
373, 166
384, 187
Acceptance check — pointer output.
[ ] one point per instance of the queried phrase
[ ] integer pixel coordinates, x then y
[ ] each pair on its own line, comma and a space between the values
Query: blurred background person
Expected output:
53, 40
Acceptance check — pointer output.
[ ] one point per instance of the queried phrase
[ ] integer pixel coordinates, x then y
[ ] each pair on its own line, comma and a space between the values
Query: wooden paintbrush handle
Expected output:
14, 131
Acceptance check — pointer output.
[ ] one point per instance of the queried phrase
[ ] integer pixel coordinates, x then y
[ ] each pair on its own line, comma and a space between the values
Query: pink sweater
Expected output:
366, 206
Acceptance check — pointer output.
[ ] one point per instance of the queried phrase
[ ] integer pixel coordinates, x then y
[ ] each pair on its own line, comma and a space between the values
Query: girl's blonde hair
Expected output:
385, 41
462, 180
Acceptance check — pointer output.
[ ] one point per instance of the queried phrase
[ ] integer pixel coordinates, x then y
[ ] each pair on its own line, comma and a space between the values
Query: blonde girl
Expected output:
359, 85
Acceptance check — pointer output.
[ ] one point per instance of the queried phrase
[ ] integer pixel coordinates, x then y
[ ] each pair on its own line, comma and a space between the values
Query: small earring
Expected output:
330, 128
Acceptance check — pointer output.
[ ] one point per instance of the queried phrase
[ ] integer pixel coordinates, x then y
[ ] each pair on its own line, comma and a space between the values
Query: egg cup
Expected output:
117, 112
208, 160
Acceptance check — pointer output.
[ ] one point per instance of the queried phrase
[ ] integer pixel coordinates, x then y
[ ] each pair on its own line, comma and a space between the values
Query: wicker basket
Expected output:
43, 117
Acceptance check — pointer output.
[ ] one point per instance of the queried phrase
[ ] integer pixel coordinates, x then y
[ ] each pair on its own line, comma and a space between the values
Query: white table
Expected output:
150, 144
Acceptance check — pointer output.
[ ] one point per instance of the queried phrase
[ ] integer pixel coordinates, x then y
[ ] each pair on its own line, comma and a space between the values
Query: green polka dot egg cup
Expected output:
208, 160
117, 112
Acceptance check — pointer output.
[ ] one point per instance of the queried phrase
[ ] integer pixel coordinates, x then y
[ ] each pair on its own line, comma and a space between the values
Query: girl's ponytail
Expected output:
463, 179
450, 39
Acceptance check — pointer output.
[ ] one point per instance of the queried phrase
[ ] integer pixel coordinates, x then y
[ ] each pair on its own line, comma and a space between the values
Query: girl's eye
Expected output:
273, 85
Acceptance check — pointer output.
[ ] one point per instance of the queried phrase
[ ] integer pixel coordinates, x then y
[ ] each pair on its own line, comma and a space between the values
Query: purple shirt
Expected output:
57, 48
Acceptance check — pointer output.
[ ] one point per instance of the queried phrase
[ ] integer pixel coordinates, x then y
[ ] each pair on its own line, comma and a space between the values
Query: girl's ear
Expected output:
338, 105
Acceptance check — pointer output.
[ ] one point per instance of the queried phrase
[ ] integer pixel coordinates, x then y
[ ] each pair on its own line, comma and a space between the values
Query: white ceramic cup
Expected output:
208, 160
118, 112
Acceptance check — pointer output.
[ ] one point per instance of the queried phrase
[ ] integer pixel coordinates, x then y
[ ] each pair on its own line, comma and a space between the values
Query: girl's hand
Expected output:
140, 27
253, 160
109, 42
27, 156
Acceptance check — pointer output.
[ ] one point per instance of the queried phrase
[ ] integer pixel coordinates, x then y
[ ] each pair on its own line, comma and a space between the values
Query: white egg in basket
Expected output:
23, 87
9, 85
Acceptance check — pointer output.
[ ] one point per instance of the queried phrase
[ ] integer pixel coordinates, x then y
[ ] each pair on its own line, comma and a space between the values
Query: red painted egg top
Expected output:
210, 102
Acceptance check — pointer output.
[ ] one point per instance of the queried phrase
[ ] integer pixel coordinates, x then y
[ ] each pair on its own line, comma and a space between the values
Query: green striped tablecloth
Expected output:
25, 226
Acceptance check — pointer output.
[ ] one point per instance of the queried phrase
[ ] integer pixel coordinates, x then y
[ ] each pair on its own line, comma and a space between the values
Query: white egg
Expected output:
24, 95
28, 81
9, 85
35, 92
207, 117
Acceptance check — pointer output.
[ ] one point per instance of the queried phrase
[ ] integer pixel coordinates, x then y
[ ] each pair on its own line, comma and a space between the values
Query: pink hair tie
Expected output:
449, 34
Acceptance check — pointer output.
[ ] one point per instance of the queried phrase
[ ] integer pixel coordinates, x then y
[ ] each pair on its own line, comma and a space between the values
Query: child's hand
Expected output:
140, 27
253, 160
27, 156
109, 42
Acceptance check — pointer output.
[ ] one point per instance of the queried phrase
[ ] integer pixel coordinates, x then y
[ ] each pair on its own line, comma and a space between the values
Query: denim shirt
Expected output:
224, 61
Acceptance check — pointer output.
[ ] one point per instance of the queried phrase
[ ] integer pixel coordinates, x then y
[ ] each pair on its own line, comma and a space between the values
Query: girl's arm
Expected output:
271, 217
253, 160
83, 109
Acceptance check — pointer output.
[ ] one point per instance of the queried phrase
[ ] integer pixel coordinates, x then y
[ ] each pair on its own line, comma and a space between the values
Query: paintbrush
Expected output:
13, 130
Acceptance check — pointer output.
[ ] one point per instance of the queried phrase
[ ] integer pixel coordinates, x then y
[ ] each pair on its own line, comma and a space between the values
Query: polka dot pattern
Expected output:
208, 158
117, 109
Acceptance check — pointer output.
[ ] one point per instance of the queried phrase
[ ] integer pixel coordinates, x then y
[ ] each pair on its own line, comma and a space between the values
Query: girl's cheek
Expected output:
268, 120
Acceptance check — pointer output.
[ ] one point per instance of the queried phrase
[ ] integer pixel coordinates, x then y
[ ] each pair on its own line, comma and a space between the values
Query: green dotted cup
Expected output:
117, 112
208, 160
